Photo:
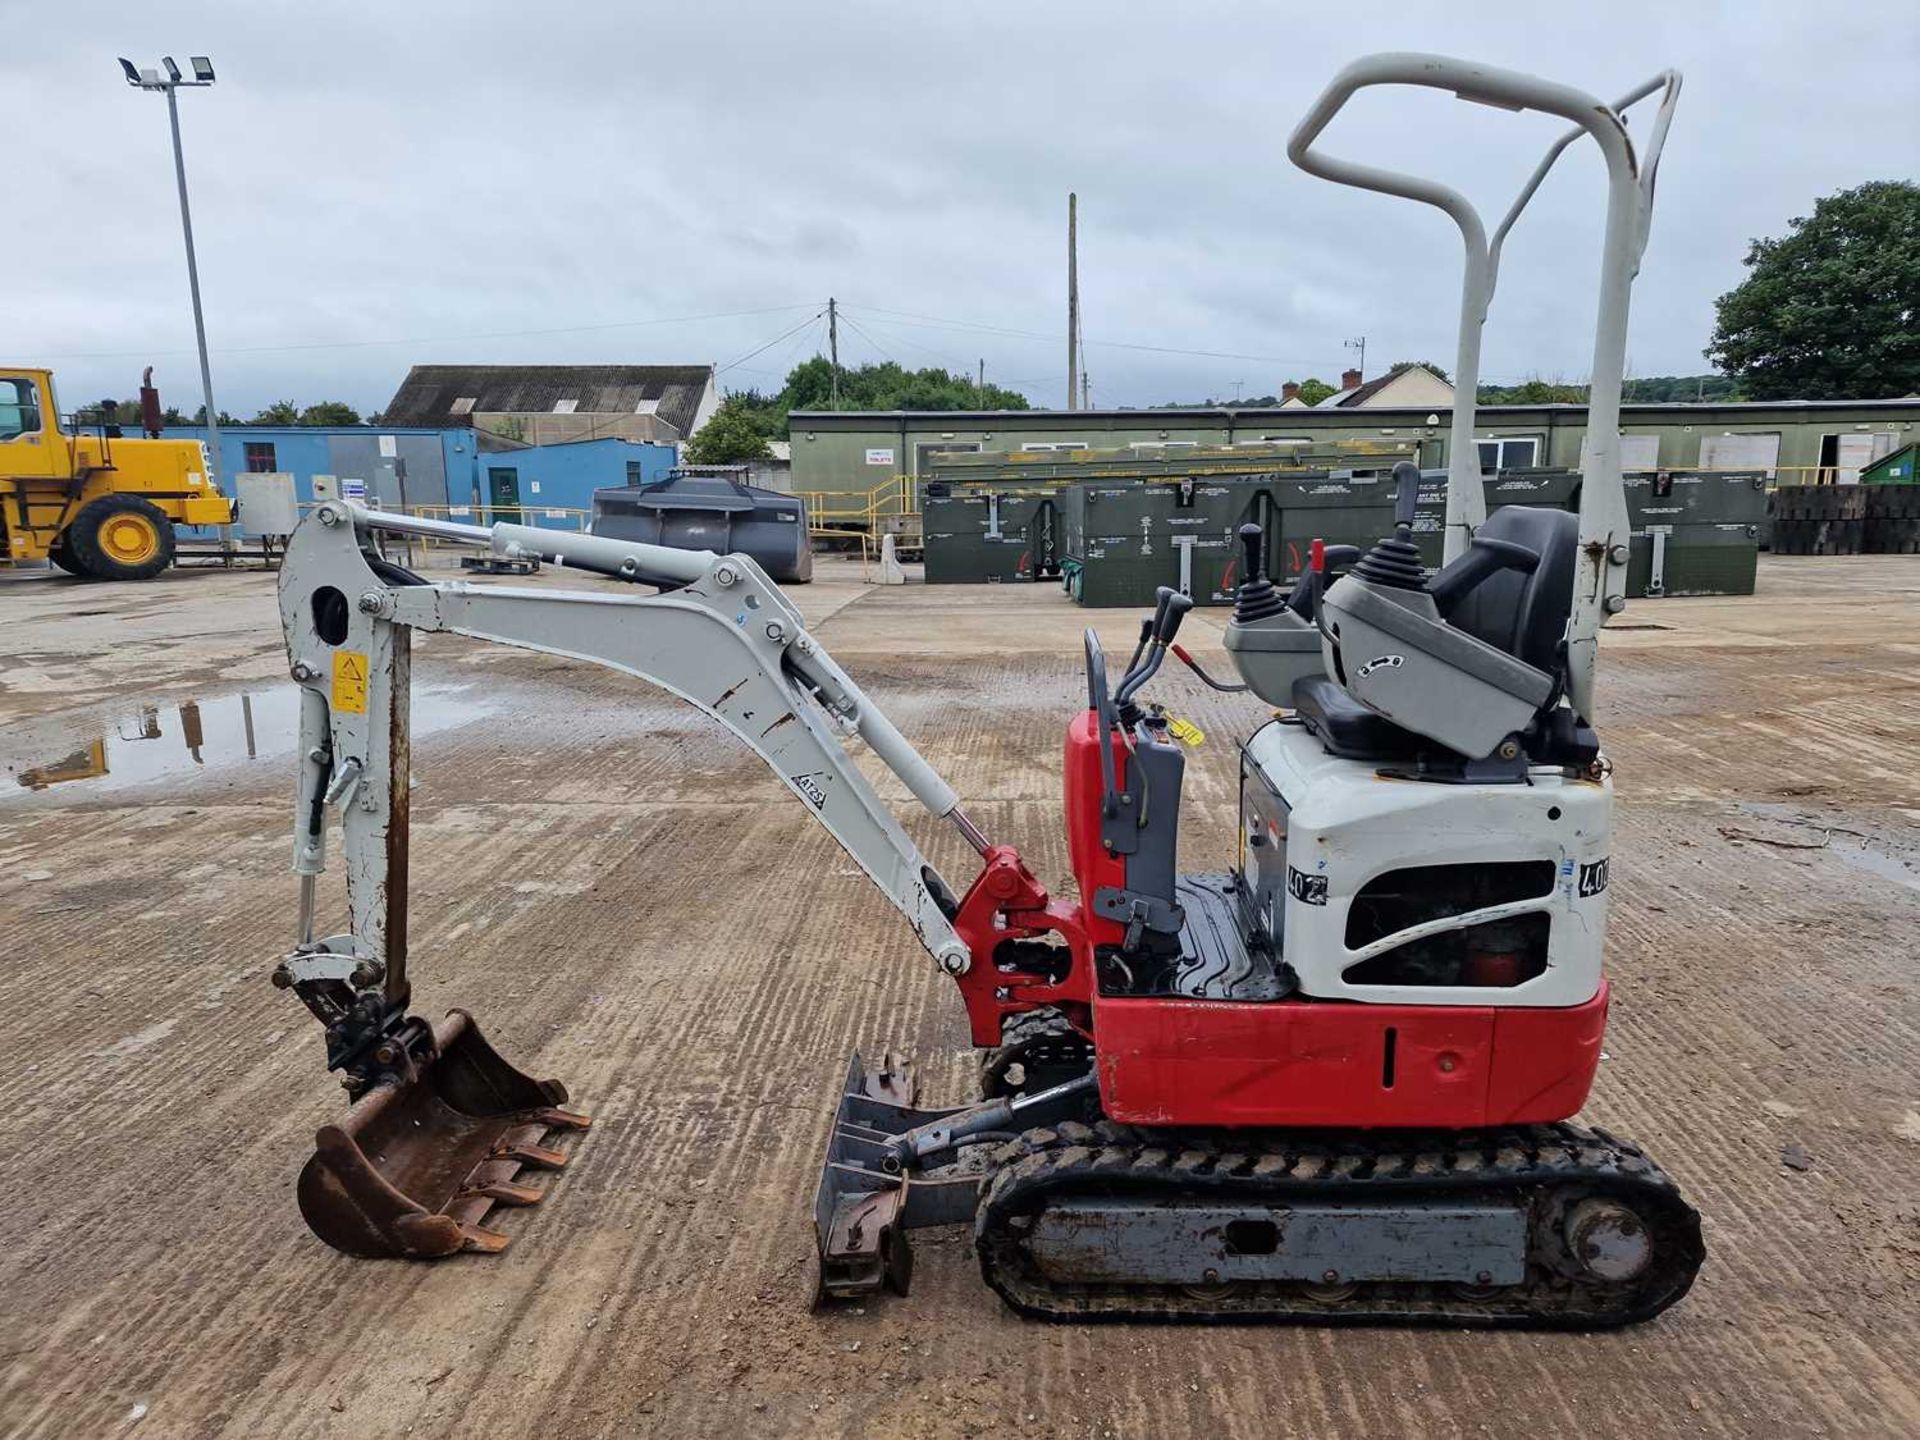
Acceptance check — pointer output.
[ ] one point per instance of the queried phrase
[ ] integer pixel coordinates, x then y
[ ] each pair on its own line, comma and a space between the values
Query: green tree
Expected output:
1313, 390
1828, 310
330, 412
1399, 365
281, 412
1533, 391
731, 437
1665, 389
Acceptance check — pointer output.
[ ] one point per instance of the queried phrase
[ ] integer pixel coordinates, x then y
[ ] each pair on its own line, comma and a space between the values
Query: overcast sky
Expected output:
380, 184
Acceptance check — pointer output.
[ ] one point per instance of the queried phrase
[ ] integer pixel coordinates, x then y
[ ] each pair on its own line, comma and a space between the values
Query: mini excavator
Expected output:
1330, 1084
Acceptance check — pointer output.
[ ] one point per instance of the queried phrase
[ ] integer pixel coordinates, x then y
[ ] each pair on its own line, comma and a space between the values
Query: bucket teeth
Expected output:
534, 1157
502, 1192
478, 1240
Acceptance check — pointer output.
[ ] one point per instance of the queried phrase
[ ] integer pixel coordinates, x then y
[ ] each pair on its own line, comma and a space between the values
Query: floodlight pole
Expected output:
172, 81
193, 285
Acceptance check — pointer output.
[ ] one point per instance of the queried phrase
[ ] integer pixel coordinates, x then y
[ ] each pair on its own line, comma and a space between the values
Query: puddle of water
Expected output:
154, 742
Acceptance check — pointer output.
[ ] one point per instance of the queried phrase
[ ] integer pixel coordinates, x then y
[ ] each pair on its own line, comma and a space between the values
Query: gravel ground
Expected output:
627, 900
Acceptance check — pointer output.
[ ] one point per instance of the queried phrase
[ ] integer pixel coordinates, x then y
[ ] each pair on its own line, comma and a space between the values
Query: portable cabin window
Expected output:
1749, 450
19, 408
260, 458
1508, 452
1056, 445
636, 474
929, 452
1163, 444
1639, 452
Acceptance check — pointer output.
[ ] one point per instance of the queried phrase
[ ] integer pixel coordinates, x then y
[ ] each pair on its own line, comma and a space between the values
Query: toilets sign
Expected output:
882, 455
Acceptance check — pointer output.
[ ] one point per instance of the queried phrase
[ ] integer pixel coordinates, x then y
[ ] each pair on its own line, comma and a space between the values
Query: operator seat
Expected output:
1524, 614
1507, 599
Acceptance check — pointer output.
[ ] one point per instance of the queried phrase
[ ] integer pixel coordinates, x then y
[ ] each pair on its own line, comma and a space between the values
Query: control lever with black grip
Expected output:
1171, 609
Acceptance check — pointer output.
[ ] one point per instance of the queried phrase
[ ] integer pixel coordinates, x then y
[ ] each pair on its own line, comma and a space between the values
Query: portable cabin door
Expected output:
503, 493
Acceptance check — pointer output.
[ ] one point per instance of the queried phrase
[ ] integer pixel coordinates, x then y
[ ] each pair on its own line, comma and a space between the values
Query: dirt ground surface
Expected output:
629, 901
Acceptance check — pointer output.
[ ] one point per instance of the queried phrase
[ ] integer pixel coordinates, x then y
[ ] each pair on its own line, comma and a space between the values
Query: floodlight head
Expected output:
202, 69
173, 70
132, 72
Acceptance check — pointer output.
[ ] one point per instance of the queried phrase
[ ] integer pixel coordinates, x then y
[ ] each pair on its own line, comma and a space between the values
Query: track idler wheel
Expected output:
1038, 1049
418, 1162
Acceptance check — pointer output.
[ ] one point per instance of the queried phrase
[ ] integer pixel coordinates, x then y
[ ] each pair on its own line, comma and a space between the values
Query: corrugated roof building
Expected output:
510, 406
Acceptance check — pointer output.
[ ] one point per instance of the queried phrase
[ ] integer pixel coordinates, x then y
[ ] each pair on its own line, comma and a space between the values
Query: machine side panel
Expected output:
1298, 1063
1094, 869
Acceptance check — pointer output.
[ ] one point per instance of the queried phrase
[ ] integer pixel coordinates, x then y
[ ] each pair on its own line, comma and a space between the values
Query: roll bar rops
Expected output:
1600, 581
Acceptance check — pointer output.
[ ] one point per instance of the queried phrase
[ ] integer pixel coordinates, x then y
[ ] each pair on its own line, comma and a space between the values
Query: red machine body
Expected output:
1295, 1062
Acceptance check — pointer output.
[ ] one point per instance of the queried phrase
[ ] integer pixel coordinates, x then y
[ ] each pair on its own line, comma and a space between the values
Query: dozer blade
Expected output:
417, 1164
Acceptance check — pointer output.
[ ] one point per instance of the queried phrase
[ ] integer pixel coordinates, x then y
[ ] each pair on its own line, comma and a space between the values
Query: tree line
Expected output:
126, 414
747, 419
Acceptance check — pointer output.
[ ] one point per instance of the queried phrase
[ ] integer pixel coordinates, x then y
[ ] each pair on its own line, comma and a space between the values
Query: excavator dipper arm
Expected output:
719, 635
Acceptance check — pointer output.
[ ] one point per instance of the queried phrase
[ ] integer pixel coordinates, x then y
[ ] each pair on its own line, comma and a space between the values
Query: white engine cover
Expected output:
1341, 824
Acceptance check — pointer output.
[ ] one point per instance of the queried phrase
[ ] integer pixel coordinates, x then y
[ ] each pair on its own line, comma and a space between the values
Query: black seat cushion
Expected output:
1525, 614
1346, 727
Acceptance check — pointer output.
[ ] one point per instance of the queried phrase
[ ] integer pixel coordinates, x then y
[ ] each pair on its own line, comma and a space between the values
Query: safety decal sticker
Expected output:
1308, 889
809, 786
1593, 878
350, 682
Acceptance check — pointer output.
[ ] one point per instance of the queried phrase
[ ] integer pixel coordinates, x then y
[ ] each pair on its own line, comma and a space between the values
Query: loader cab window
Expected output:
19, 407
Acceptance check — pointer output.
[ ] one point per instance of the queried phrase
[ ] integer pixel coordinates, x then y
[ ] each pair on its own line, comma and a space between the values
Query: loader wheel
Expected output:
121, 537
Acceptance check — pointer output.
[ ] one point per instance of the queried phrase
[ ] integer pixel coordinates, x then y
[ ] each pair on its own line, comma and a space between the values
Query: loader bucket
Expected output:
416, 1165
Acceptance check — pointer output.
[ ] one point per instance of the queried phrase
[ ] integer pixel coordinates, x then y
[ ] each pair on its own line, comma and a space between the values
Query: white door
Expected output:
1858, 450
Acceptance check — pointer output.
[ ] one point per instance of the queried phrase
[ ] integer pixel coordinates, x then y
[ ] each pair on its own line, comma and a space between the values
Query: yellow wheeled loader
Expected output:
96, 505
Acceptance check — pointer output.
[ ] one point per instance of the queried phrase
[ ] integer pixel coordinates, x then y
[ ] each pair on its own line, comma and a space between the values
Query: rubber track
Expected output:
1550, 1165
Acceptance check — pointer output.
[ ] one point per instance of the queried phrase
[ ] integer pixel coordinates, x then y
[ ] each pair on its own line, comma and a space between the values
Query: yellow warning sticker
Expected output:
350, 682
1185, 731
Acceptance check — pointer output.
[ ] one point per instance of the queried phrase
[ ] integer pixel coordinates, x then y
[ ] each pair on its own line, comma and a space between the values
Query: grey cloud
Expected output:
412, 175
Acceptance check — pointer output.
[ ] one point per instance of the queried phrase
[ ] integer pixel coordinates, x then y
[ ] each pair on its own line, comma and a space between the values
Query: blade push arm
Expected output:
726, 641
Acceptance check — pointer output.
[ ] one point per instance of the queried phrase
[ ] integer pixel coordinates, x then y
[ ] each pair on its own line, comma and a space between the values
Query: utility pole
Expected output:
833, 346
982, 394
1073, 300
1086, 392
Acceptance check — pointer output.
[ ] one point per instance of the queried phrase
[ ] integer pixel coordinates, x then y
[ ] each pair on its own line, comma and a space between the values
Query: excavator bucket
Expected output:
417, 1164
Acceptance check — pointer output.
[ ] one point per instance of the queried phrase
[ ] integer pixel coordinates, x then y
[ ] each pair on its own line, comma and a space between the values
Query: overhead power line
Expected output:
783, 335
